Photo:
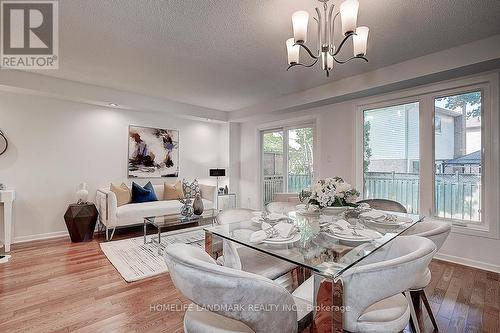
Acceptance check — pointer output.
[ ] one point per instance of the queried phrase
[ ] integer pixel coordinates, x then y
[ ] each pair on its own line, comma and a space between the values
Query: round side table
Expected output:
80, 221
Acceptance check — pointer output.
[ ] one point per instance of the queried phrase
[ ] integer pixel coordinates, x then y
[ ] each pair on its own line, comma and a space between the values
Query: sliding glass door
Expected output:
287, 160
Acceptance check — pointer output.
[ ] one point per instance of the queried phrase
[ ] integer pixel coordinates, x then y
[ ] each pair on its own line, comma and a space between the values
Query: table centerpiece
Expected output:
330, 195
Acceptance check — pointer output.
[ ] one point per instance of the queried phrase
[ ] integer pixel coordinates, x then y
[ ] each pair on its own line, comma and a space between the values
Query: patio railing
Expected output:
457, 196
274, 184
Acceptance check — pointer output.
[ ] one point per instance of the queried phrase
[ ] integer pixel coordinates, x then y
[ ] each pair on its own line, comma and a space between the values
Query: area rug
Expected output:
135, 260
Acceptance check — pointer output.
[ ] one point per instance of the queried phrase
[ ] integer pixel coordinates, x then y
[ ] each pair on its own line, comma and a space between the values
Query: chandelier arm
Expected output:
342, 43
351, 58
303, 65
308, 50
330, 27
320, 22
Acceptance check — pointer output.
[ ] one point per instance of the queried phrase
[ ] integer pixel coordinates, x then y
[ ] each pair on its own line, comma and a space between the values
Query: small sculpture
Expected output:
186, 209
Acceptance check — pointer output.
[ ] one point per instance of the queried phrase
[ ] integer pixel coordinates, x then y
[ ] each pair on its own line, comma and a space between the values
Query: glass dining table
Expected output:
319, 248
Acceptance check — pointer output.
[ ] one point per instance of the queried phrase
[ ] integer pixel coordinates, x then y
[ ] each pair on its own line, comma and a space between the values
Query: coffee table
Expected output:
176, 221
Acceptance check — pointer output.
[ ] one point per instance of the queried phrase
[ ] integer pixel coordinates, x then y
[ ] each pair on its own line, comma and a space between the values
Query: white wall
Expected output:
54, 145
334, 156
333, 152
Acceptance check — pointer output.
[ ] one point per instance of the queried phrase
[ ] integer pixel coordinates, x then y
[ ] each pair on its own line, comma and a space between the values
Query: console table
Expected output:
7, 197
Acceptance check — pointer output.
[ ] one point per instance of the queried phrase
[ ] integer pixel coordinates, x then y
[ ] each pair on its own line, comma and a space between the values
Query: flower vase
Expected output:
198, 205
335, 211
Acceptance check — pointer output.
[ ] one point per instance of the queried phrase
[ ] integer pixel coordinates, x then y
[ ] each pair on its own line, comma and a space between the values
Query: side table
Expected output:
7, 198
226, 201
80, 220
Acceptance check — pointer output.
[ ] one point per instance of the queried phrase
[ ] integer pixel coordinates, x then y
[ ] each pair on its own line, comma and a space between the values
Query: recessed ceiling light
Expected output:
113, 105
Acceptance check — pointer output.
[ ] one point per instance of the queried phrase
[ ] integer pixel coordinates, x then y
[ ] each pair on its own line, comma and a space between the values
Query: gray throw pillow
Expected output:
191, 190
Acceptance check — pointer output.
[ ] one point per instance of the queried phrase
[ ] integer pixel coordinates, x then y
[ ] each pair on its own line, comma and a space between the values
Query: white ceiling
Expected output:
230, 54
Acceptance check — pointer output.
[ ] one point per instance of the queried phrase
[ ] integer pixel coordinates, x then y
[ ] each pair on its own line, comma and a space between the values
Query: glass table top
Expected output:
177, 219
317, 245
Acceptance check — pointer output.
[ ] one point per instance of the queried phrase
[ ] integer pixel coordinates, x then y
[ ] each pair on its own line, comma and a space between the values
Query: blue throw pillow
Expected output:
143, 194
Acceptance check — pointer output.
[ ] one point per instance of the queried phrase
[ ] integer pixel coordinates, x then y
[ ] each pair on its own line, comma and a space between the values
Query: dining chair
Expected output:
384, 204
436, 231
229, 300
375, 290
245, 258
281, 207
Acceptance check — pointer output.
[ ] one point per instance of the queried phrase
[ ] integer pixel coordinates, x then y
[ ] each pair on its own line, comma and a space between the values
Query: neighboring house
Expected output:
394, 137
470, 163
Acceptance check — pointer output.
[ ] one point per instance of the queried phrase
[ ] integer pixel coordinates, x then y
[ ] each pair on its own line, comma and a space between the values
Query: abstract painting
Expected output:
153, 152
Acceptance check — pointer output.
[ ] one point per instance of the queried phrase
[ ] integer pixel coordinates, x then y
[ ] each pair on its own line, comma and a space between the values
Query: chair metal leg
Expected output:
428, 308
412, 312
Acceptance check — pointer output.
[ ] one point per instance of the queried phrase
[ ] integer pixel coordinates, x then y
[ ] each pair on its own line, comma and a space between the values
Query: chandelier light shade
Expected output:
349, 16
327, 50
292, 51
300, 20
360, 41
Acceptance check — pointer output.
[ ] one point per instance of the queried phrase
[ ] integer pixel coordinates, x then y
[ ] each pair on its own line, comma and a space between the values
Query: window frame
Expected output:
284, 128
488, 84
399, 102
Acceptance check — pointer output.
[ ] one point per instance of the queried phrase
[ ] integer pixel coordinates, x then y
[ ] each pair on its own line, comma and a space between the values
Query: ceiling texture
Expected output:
230, 54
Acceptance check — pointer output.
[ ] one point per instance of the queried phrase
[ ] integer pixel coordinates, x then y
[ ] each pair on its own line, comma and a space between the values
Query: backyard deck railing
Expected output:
274, 184
457, 195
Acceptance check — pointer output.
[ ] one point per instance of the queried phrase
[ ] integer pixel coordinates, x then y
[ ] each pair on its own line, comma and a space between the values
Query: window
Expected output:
287, 160
391, 154
457, 155
452, 159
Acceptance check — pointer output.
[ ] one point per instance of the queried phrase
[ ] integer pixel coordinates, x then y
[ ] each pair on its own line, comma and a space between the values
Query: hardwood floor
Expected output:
58, 286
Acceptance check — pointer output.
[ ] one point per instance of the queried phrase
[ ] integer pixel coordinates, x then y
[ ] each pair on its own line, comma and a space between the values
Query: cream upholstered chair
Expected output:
280, 207
228, 300
373, 289
384, 204
436, 231
247, 259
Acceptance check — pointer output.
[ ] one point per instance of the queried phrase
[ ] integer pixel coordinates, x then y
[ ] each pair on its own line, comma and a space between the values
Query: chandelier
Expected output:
327, 51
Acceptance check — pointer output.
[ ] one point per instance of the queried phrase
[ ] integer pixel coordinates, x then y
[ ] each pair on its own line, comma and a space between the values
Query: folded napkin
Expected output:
373, 214
341, 224
284, 230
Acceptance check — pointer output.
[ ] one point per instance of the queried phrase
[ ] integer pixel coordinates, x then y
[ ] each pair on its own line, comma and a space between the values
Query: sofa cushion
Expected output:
173, 191
153, 208
123, 194
146, 209
143, 194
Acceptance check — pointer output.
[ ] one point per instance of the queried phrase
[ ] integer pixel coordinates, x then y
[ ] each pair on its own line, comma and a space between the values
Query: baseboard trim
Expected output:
468, 262
48, 235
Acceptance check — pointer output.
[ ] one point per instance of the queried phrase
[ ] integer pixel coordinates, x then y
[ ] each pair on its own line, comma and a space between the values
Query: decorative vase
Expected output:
187, 209
198, 205
82, 194
226, 190
334, 210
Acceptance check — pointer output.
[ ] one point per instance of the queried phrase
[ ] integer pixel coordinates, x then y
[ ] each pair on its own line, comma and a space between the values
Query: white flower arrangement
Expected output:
330, 192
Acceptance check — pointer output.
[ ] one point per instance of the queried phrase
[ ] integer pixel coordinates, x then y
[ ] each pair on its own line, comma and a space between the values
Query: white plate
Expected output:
368, 235
401, 220
373, 215
288, 240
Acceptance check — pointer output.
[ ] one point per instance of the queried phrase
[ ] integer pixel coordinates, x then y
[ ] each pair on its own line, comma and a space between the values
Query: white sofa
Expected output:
112, 216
